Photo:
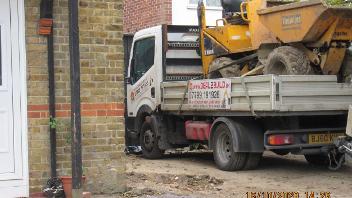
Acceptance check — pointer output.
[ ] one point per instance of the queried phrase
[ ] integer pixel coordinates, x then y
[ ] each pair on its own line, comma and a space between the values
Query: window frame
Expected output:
132, 74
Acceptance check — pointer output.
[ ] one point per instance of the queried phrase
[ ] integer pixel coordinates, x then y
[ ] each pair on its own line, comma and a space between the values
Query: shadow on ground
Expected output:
269, 161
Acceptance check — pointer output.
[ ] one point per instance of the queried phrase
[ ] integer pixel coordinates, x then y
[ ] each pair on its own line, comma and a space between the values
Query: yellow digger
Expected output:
278, 37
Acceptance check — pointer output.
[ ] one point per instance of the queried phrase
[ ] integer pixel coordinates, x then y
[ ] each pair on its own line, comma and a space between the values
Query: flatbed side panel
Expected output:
259, 89
270, 93
312, 94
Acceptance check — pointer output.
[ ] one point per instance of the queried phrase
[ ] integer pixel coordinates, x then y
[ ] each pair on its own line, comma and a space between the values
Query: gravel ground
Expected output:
194, 175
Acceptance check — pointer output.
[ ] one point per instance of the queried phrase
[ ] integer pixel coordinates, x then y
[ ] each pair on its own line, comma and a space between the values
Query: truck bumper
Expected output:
303, 141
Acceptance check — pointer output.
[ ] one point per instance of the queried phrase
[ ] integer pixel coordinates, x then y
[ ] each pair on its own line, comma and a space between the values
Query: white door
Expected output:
13, 159
6, 89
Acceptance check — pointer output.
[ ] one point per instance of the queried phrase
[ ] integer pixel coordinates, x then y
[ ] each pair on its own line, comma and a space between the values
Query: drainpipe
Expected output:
76, 147
46, 29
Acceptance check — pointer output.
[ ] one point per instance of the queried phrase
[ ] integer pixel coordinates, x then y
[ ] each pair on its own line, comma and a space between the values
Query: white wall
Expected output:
185, 14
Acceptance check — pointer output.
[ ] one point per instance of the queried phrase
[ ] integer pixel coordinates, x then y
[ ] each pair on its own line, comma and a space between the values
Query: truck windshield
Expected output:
143, 57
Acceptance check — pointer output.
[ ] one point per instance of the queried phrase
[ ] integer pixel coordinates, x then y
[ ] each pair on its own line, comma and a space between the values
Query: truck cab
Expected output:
144, 71
158, 54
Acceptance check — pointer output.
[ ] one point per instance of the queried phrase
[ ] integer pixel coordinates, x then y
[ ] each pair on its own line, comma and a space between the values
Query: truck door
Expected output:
142, 79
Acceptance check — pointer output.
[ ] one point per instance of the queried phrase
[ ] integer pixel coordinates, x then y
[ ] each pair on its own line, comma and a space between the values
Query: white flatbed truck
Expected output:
170, 105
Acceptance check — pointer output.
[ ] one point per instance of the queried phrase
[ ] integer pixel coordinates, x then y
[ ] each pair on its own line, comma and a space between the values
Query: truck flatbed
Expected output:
268, 95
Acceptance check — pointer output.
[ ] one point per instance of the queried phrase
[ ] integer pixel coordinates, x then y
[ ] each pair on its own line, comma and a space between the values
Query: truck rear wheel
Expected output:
149, 141
287, 60
225, 157
317, 160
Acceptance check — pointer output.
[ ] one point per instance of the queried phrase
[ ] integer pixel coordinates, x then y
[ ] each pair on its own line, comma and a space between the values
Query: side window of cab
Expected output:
143, 58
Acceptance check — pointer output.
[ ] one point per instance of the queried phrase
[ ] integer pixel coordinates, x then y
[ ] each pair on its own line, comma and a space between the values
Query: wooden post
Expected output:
75, 100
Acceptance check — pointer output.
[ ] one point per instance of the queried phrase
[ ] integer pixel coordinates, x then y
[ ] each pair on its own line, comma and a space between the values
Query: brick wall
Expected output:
141, 14
101, 94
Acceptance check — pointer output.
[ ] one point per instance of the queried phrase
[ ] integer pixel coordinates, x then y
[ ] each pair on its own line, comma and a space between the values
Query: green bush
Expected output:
347, 3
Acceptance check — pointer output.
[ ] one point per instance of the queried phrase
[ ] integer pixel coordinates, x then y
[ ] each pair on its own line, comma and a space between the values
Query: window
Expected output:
209, 3
143, 58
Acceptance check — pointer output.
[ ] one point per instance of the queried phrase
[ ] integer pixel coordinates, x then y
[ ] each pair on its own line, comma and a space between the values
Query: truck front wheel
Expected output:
225, 157
149, 141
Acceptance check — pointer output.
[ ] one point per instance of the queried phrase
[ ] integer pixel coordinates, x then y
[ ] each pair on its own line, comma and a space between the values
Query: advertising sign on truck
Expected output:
209, 94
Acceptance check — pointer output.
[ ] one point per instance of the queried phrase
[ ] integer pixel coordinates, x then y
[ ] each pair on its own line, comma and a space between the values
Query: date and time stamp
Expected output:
288, 195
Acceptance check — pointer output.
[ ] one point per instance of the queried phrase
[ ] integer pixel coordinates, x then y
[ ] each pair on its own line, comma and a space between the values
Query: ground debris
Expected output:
194, 175
134, 192
184, 182
200, 182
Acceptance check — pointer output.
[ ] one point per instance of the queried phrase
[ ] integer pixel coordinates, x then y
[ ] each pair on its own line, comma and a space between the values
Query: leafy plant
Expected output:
53, 123
347, 3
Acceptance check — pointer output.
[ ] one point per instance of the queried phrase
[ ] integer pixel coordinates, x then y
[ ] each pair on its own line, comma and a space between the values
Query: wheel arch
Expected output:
248, 135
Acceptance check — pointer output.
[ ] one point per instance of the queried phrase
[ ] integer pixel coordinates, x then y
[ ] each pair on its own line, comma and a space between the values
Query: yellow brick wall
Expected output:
101, 94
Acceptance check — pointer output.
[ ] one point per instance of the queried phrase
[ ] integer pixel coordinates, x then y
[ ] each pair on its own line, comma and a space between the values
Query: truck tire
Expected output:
287, 60
149, 141
225, 157
253, 161
220, 62
317, 160
215, 74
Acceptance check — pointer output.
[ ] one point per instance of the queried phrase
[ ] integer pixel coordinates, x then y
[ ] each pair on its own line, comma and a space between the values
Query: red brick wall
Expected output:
87, 110
141, 14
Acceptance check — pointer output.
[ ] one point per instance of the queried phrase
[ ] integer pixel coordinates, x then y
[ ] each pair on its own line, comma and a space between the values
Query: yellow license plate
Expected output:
323, 138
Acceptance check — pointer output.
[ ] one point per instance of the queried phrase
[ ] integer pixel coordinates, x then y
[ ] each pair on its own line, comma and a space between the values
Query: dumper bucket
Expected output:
306, 21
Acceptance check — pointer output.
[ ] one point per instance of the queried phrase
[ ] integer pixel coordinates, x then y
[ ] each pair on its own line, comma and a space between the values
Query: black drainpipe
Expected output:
46, 29
76, 145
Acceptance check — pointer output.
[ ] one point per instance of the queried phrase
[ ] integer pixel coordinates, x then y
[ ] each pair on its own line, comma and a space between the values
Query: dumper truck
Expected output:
171, 104
278, 37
